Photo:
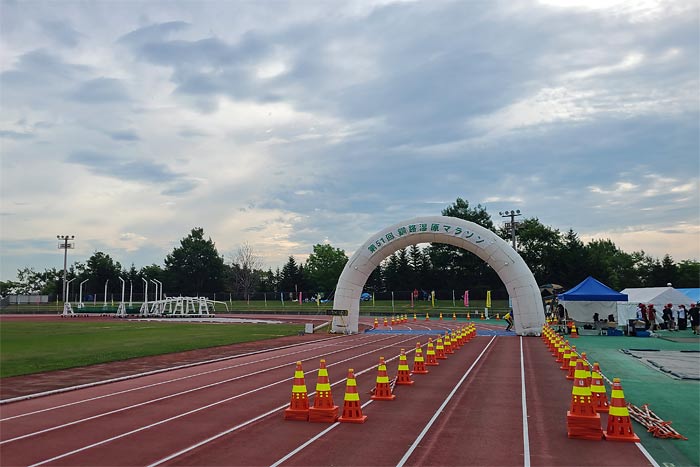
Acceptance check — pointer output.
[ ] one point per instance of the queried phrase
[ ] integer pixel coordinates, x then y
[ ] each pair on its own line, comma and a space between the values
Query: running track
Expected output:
498, 401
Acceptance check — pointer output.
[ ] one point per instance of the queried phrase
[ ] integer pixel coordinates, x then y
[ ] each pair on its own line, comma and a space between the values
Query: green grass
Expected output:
27, 347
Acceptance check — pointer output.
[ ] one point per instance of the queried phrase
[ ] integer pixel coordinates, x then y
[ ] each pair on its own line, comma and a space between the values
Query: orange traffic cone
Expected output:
418, 362
454, 340
498, 316
619, 423
427, 317
440, 349
454, 316
299, 405
392, 321
404, 375
600, 398
323, 409
386, 323
415, 318
440, 316
382, 391
469, 316
572, 366
582, 421
482, 316
376, 323
561, 350
567, 356
574, 332
430, 355
448, 344
352, 409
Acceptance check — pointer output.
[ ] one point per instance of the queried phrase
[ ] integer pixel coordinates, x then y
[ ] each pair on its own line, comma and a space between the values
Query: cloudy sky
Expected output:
287, 124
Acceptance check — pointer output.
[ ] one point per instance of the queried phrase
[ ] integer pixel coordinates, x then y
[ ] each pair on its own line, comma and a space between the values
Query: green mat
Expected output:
672, 399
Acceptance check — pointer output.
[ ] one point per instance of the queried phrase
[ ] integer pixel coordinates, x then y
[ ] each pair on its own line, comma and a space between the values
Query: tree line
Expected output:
195, 267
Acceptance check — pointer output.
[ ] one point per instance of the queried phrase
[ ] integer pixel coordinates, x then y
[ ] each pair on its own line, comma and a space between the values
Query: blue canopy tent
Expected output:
590, 297
592, 290
693, 294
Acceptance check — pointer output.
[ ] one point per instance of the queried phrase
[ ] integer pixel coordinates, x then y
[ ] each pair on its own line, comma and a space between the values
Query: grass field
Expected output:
36, 347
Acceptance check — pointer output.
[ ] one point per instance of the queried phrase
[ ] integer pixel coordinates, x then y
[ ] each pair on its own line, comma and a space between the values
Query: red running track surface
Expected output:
466, 411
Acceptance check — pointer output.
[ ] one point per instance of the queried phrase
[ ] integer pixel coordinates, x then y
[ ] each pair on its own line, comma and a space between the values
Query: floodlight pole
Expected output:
512, 214
64, 246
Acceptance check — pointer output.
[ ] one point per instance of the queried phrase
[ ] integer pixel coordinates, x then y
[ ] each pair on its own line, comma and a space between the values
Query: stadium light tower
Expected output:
65, 245
512, 225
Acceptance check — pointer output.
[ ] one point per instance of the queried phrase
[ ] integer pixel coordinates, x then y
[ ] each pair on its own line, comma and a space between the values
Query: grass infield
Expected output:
27, 348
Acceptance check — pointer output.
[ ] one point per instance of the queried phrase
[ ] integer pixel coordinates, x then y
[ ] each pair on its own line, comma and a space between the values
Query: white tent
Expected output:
657, 296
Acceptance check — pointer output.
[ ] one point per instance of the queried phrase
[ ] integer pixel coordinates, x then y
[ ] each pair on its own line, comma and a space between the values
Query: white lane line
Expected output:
148, 373
82, 401
137, 430
203, 373
442, 407
310, 441
237, 427
526, 435
158, 399
647, 455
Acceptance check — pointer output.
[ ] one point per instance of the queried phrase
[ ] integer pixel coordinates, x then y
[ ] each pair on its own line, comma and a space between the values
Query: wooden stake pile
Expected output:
653, 423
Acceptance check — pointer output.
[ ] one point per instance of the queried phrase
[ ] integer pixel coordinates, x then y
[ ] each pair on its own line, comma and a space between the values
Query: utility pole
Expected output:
512, 225
65, 245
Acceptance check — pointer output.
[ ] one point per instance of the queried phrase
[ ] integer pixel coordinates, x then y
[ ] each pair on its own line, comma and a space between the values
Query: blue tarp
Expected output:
693, 294
591, 290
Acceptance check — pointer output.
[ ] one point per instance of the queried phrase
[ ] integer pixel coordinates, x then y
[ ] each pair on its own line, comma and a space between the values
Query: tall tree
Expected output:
453, 267
195, 266
688, 274
245, 269
101, 268
323, 268
540, 246
290, 278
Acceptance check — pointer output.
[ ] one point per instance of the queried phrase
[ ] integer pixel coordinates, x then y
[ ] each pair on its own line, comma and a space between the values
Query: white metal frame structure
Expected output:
505, 261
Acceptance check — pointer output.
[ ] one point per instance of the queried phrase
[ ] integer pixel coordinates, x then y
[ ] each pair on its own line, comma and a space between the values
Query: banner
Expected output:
432, 296
488, 299
299, 298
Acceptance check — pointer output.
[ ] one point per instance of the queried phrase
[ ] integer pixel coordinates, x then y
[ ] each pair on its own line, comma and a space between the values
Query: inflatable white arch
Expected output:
510, 267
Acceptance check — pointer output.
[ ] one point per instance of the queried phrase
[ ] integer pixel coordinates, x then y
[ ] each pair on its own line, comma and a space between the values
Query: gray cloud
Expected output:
100, 90
9, 134
155, 32
61, 32
108, 165
124, 135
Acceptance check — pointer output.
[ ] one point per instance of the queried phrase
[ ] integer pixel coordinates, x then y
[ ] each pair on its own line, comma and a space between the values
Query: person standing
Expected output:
651, 317
682, 318
667, 316
694, 313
